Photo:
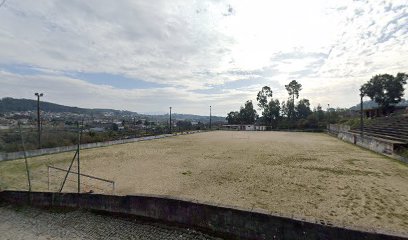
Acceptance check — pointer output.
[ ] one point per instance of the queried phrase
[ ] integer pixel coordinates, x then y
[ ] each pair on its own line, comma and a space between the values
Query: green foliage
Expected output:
303, 109
319, 113
403, 152
246, 115
233, 117
288, 109
292, 115
115, 127
271, 109
272, 113
10, 140
263, 96
293, 89
385, 89
184, 125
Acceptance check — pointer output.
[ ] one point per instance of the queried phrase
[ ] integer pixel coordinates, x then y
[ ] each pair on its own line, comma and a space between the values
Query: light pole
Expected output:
170, 121
210, 117
328, 113
38, 118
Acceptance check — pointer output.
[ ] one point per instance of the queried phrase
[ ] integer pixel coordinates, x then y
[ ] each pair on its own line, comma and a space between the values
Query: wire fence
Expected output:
10, 140
89, 183
55, 175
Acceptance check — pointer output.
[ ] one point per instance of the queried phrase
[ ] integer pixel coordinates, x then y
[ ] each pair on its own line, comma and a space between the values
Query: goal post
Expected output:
110, 182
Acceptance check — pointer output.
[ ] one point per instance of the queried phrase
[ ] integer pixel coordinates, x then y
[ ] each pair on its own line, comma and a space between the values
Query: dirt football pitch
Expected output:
305, 175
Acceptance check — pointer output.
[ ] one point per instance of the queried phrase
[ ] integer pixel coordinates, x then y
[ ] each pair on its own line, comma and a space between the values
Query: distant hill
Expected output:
372, 105
9, 104
190, 117
16, 105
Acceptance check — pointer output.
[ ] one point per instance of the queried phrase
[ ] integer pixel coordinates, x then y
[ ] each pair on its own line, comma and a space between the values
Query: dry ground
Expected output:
312, 176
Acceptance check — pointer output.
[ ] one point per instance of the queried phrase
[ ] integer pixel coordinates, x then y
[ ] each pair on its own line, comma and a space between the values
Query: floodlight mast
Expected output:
38, 118
328, 114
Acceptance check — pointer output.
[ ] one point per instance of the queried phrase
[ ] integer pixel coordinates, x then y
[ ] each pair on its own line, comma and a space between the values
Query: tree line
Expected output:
386, 90
276, 114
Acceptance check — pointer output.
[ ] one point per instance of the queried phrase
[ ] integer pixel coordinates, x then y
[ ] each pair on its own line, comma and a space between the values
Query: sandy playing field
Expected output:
312, 176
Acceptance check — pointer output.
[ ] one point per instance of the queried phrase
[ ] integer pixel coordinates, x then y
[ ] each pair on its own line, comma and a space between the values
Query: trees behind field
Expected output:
385, 89
292, 113
246, 115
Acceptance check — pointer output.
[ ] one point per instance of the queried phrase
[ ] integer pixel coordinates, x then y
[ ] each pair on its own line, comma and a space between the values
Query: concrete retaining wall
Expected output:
374, 144
45, 151
336, 128
227, 221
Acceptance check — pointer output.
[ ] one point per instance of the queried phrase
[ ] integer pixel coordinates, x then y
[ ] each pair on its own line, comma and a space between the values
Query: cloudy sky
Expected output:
145, 56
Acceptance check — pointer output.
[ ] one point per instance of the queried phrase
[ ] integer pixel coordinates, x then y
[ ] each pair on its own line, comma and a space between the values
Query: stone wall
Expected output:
45, 151
222, 220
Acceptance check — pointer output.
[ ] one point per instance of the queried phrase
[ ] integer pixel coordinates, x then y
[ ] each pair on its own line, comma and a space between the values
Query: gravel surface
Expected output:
31, 223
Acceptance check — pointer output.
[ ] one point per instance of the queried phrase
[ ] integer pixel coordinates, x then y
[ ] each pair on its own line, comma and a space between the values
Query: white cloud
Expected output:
329, 46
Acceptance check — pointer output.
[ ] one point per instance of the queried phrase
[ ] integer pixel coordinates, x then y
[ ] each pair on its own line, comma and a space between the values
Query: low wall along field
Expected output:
306, 175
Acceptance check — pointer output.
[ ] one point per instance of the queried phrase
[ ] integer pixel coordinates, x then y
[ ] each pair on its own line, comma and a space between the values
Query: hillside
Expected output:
9, 104
372, 105
17, 105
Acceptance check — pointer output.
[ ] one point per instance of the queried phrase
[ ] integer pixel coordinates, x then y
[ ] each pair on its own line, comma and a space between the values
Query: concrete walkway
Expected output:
32, 223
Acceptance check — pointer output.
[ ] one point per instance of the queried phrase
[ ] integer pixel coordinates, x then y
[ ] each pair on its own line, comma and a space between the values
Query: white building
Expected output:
244, 127
260, 128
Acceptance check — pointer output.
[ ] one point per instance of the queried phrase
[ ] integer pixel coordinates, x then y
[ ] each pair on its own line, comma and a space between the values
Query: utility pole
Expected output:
170, 121
210, 117
38, 118
361, 113
78, 149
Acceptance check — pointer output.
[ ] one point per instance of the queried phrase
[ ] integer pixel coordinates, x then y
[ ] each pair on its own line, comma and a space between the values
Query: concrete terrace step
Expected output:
397, 132
400, 125
387, 138
397, 138
388, 128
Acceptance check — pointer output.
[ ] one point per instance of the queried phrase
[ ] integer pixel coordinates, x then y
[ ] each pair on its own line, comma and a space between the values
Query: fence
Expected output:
45, 151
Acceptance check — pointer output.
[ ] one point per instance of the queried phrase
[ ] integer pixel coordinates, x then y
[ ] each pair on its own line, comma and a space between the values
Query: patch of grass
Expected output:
403, 152
187, 173
352, 161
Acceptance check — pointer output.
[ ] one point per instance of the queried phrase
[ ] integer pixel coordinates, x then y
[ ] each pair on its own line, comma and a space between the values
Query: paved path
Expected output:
32, 223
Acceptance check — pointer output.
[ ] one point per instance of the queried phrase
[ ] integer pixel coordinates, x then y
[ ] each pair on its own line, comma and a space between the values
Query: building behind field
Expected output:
244, 127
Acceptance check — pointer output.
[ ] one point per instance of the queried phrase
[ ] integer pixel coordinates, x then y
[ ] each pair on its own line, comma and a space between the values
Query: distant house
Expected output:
260, 128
